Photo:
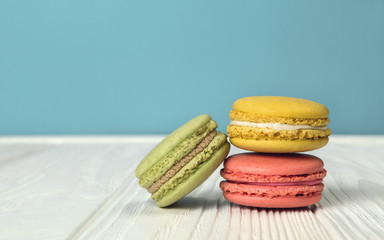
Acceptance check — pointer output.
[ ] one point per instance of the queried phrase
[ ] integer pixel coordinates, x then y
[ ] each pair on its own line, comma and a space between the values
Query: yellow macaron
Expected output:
278, 124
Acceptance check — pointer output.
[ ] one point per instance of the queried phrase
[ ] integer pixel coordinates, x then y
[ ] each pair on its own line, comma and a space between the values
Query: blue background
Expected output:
146, 67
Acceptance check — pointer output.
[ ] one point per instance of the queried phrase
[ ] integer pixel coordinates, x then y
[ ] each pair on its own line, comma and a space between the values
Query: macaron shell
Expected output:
197, 178
274, 164
170, 142
281, 107
276, 202
279, 146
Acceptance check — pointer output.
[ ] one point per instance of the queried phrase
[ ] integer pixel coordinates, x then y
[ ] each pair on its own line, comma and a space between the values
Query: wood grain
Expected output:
84, 188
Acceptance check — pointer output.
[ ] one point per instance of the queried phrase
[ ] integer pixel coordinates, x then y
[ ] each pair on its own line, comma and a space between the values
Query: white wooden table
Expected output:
85, 188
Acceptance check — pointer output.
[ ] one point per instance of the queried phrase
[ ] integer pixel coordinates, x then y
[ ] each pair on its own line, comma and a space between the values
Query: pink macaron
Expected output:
273, 180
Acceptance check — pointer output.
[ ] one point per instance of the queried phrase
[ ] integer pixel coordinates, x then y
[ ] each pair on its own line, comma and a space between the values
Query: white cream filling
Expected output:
276, 126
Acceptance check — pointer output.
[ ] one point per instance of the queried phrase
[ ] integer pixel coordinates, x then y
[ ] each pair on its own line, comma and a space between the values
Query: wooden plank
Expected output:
85, 188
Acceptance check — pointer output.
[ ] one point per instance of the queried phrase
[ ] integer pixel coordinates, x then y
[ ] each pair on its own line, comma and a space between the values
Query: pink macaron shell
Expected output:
273, 164
276, 202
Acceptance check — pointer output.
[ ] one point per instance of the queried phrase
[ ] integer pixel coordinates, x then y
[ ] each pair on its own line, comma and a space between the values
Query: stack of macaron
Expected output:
275, 176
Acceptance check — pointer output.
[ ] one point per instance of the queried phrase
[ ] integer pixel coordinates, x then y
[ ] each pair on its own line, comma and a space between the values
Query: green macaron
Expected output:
183, 160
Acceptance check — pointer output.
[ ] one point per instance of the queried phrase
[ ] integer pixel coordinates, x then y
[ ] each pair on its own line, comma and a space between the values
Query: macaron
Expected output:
274, 124
182, 160
273, 180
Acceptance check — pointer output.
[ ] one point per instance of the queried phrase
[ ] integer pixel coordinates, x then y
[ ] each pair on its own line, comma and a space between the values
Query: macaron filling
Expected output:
254, 133
276, 126
257, 118
272, 191
179, 165
305, 183
247, 125
258, 178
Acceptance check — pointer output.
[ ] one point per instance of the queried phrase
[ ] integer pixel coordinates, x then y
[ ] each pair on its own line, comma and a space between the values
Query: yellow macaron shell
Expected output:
279, 146
274, 106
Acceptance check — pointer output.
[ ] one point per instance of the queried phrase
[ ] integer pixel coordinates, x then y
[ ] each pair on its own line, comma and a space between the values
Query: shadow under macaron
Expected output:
189, 202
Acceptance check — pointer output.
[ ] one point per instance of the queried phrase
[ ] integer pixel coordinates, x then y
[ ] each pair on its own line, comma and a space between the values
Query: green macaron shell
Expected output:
180, 151
202, 165
195, 179
170, 142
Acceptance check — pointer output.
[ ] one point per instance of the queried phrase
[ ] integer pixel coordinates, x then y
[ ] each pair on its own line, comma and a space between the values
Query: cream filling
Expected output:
276, 126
